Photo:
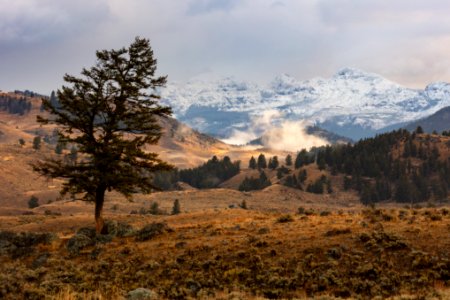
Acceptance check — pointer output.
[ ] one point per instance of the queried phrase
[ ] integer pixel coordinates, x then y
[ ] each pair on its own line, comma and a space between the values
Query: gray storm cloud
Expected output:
405, 41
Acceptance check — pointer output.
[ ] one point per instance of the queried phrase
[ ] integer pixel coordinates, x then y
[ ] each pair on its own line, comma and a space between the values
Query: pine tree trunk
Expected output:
99, 199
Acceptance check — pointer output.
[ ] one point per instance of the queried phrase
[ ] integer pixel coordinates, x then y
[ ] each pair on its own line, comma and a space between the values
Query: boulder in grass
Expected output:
142, 294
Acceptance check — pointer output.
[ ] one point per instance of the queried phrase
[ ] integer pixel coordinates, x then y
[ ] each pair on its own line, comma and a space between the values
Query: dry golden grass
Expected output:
406, 248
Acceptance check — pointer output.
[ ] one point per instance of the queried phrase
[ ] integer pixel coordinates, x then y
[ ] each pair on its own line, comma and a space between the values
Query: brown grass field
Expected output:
225, 253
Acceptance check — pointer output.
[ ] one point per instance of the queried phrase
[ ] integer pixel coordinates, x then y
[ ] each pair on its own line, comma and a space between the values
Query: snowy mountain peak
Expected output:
283, 82
438, 86
353, 73
352, 103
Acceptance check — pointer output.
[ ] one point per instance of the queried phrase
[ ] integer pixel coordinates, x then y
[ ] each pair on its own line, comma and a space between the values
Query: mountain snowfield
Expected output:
352, 103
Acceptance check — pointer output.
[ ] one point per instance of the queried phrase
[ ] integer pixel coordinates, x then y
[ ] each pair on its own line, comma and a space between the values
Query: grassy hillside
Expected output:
230, 254
179, 145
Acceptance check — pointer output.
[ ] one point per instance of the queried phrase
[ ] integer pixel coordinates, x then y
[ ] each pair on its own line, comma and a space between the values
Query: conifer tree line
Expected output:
399, 166
15, 105
294, 179
251, 184
208, 175
28, 93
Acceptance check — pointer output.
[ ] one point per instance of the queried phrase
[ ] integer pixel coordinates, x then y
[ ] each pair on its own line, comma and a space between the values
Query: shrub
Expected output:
325, 213
37, 143
154, 209
150, 231
310, 212
243, 205
301, 210
335, 231
119, 229
22, 244
33, 202
48, 212
285, 219
435, 217
78, 242
176, 207
387, 217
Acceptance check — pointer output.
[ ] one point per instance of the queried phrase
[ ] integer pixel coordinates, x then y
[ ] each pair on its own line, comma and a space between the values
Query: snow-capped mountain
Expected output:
352, 103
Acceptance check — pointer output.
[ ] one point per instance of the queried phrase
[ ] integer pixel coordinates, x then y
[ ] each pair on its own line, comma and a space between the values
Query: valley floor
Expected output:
226, 253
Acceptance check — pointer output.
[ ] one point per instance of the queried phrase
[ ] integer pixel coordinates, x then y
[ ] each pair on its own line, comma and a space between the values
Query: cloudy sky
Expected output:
407, 41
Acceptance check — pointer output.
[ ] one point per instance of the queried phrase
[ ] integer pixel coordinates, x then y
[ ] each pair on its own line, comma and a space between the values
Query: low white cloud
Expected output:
291, 136
276, 133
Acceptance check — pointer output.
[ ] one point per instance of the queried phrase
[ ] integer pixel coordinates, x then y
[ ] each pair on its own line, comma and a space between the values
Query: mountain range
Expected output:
439, 121
351, 103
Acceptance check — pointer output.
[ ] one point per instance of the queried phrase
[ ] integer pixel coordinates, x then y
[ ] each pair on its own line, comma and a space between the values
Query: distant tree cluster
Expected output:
296, 181
251, 184
261, 162
304, 158
209, 175
319, 186
398, 165
446, 133
53, 101
28, 93
15, 105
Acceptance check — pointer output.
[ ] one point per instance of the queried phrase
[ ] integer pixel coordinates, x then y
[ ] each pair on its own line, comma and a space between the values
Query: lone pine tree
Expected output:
109, 114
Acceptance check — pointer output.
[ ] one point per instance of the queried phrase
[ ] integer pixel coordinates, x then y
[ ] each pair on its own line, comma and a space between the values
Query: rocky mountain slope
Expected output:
352, 103
439, 121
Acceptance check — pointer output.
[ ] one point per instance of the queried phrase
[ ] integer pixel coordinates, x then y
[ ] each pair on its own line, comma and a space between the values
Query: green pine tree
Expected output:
273, 163
252, 163
101, 112
262, 163
288, 160
176, 207
37, 143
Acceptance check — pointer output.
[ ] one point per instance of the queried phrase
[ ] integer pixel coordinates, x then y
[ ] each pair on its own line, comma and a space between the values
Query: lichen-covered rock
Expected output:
142, 294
